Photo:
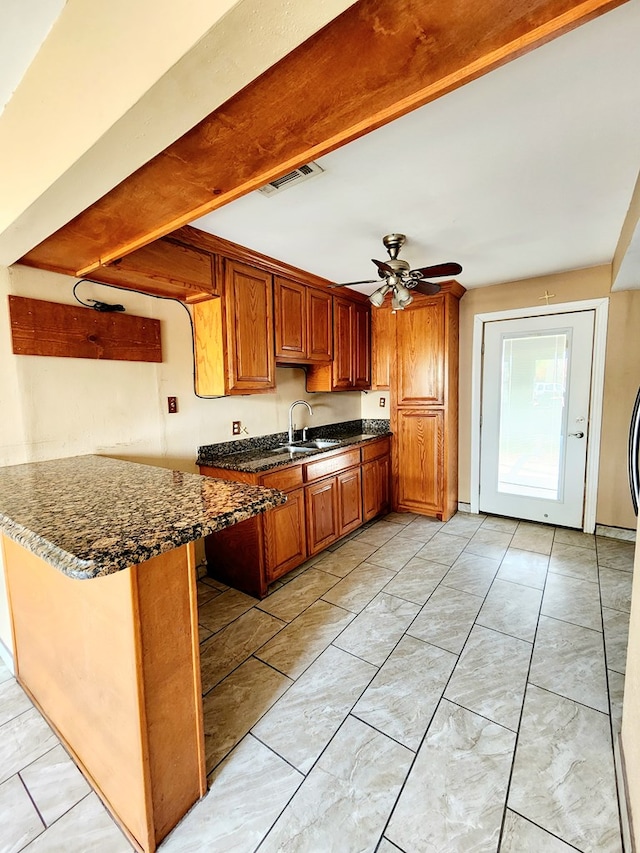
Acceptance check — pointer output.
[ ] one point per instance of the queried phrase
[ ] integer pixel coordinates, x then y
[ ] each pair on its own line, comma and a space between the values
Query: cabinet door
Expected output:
249, 324
349, 500
384, 471
320, 328
291, 320
362, 346
420, 352
383, 338
322, 514
375, 487
343, 311
419, 460
285, 536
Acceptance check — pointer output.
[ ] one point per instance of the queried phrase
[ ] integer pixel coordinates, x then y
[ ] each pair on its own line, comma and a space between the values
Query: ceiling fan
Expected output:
400, 279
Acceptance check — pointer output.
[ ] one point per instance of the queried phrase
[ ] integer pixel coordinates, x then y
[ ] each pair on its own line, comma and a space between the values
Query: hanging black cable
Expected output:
104, 306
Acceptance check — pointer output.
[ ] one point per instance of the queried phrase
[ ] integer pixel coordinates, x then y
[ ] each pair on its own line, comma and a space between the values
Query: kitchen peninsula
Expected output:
100, 571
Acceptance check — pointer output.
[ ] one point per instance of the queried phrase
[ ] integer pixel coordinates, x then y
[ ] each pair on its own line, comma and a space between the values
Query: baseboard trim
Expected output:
7, 658
616, 532
626, 824
465, 508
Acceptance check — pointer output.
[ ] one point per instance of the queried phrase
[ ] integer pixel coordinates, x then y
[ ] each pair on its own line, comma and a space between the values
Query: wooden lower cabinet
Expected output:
322, 514
285, 541
375, 488
326, 499
349, 493
420, 458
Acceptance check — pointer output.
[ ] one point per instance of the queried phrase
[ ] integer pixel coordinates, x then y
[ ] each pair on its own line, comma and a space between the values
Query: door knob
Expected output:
577, 434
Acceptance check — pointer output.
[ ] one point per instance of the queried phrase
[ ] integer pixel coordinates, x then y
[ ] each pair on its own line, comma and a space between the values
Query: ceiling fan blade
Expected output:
436, 270
382, 267
429, 288
348, 283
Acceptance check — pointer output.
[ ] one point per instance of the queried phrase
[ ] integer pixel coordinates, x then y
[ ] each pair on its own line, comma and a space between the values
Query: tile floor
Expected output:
419, 687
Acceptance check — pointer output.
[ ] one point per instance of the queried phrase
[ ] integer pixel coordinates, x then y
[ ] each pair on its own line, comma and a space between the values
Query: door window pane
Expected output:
532, 411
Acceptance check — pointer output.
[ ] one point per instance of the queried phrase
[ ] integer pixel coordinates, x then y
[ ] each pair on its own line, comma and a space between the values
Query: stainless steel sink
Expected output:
321, 443
312, 444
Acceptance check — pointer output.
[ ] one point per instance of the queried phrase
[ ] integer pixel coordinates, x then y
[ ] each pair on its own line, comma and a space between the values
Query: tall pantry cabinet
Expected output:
422, 341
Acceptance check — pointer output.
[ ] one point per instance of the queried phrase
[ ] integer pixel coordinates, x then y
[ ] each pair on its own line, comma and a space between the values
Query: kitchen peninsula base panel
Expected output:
235, 557
113, 663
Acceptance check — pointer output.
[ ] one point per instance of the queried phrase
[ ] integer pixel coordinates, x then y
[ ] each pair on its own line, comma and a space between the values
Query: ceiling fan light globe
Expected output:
403, 295
377, 298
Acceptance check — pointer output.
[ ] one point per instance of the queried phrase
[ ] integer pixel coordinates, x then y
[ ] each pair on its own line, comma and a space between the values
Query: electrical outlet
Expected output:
383, 402
172, 405
236, 427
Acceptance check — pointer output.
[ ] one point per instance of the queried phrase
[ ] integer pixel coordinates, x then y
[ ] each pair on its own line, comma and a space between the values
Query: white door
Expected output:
536, 385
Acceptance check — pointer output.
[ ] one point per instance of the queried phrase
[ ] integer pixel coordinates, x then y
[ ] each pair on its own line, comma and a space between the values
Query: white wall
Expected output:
55, 407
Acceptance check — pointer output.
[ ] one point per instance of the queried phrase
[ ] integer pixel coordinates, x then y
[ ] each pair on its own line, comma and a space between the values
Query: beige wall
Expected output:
54, 407
622, 373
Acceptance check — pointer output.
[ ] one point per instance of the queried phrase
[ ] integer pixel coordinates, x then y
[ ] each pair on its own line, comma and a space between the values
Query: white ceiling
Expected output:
526, 171
24, 25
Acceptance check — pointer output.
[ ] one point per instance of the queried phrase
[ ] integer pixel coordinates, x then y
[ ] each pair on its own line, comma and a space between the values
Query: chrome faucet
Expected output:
291, 424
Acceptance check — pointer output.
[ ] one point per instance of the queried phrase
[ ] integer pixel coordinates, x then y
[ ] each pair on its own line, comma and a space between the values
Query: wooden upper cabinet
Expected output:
319, 325
234, 334
350, 369
420, 338
383, 344
343, 336
165, 268
303, 330
249, 328
362, 346
291, 329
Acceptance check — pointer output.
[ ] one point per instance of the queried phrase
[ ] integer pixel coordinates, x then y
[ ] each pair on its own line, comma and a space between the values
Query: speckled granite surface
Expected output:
254, 455
91, 516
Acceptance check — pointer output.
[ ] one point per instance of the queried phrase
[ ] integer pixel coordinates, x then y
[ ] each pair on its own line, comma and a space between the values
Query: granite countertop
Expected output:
90, 516
256, 455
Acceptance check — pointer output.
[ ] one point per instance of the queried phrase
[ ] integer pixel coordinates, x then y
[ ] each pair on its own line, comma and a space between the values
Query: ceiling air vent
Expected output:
291, 178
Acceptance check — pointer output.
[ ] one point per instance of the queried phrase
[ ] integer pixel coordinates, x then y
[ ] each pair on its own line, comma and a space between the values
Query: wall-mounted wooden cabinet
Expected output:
350, 369
421, 366
383, 343
327, 498
234, 337
303, 323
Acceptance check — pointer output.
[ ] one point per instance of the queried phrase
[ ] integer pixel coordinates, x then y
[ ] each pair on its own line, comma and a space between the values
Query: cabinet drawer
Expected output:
287, 478
375, 449
331, 465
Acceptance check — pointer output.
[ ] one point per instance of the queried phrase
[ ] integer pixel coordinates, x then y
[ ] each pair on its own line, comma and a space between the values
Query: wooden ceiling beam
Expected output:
374, 63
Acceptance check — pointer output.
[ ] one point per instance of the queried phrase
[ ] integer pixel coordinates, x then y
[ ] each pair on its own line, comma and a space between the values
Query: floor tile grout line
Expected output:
568, 698
33, 803
308, 773
438, 704
70, 809
370, 726
524, 699
552, 834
